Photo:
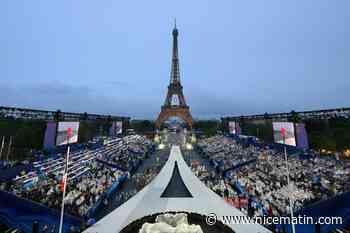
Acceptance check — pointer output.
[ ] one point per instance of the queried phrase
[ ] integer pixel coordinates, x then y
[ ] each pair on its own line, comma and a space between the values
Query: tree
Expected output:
85, 116
208, 127
266, 116
58, 115
294, 116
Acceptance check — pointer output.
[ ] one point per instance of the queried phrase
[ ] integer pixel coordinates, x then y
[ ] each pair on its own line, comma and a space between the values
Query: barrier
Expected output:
241, 190
115, 186
214, 163
238, 166
134, 165
20, 213
237, 186
109, 164
92, 211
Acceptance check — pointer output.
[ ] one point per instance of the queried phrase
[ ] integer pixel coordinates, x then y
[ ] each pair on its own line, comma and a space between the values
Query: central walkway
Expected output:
149, 200
155, 162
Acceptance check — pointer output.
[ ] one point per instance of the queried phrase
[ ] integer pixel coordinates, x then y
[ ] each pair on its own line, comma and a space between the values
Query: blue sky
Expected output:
236, 57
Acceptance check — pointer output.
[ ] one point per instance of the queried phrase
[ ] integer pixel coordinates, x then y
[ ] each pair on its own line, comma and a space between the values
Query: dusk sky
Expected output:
236, 57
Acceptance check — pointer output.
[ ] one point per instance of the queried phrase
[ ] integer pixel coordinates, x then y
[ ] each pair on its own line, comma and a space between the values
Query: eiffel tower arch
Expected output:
175, 104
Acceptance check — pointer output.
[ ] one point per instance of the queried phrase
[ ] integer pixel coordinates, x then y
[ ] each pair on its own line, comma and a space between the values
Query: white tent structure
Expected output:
149, 201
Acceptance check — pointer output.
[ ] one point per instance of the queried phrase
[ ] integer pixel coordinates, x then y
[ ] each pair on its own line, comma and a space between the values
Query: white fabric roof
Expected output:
148, 201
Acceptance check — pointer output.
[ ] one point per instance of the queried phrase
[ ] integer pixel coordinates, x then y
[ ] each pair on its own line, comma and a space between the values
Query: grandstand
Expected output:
252, 176
315, 114
35, 114
95, 173
108, 172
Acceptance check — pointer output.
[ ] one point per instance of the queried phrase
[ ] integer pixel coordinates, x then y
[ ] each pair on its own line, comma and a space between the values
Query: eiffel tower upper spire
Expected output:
175, 70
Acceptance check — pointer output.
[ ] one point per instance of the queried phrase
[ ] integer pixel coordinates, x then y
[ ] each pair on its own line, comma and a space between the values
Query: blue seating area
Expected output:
20, 213
8, 173
335, 207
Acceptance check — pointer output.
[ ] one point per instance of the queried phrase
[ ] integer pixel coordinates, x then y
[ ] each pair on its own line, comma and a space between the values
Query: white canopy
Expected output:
148, 201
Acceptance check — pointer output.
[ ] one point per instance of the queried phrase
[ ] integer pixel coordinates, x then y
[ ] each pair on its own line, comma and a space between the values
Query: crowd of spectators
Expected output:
226, 153
91, 173
141, 178
264, 180
211, 179
82, 193
125, 152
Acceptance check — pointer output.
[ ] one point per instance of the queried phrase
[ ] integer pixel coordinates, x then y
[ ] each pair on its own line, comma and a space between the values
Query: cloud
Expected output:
79, 98
73, 98
146, 102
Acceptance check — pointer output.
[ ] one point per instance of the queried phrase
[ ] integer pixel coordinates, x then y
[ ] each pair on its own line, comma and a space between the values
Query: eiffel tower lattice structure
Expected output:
175, 104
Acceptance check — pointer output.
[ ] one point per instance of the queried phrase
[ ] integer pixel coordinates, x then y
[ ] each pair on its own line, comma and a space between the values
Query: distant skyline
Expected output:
236, 58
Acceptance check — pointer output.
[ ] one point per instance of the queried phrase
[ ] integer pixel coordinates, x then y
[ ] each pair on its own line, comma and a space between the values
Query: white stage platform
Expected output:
148, 201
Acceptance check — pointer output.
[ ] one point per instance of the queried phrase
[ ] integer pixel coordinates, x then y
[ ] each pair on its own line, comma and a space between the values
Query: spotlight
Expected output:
189, 146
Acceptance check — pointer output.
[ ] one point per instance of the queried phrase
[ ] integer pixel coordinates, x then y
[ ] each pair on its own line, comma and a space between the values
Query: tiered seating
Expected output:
265, 181
90, 175
125, 153
226, 153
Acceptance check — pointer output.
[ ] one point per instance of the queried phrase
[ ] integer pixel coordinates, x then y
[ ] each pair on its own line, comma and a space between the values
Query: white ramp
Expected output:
148, 201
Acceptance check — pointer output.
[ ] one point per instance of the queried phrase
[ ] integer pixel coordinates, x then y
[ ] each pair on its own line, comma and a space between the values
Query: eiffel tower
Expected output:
175, 104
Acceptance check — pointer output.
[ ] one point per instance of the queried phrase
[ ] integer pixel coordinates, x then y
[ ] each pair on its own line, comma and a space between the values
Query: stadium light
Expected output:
156, 138
189, 146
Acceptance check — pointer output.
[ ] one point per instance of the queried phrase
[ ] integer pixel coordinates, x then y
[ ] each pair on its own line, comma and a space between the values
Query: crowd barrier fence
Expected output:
114, 187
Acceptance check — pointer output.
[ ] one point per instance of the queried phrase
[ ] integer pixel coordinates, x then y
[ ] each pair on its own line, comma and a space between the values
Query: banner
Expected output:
232, 127
238, 129
117, 128
301, 135
50, 134
283, 132
67, 132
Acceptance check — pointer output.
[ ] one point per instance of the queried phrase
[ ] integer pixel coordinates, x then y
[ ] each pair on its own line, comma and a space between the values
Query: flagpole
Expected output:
289, 187
65, 179
9, 149
2, 146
